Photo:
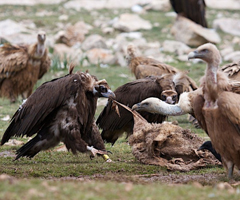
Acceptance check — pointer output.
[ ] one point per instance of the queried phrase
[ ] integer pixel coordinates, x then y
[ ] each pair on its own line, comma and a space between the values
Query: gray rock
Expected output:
228, 25
100, 56
131, 22
158, 5
223, 4
94, 41
70, 54
176, 47
73, 33
29, 2
232, 57
192, 34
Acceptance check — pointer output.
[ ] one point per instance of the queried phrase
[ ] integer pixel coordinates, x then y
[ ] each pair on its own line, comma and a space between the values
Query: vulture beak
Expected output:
108, 94
136, 106
193, 54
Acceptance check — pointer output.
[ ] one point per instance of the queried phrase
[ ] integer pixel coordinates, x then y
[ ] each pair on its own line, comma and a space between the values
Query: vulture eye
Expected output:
174, 97
103, 89
205, 50
164, 97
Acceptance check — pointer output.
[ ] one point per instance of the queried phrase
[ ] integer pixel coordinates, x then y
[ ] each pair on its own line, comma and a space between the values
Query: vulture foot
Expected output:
95, 152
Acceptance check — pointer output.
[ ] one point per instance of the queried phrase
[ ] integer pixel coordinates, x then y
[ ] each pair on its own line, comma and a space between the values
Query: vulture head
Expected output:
41, 36
102, 89
208, 53
169, 96
157, 106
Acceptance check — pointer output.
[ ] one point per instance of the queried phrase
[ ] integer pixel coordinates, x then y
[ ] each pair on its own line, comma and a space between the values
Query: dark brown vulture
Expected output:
21, 66
217, 108
60, 110
191, 9
167, 87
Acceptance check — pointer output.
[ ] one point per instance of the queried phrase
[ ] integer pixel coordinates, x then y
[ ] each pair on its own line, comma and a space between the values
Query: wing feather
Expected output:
31, 116
13, 58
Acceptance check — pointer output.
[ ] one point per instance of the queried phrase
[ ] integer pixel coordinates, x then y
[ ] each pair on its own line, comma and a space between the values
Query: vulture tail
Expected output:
26, 149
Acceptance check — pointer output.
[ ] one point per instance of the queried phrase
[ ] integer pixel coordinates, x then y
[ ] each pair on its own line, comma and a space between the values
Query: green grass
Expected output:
61, 175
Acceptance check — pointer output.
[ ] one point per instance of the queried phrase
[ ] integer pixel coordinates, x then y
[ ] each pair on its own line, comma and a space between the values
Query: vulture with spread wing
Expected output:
216, 107
60, 110
232, 70
167, 87
21, 66
191, 9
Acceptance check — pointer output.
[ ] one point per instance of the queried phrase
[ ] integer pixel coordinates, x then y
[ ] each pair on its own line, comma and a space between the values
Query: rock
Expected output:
223, 4
97, 56
158, 5
232, 57
228, 25
10, 27
14, 142
131, 22
176, 47
94, 41
64, 52
137, 9
103, 4
225, 186
107, 30
63, 17
192, 34
29, 2
226, 51
73, 34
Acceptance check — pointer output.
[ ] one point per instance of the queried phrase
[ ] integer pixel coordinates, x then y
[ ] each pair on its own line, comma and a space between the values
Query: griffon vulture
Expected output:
143, 67
167, 87
21, 66
191, 9
60, 110
217, 108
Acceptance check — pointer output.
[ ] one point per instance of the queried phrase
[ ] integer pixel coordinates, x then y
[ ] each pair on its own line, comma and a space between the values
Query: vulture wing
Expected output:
232, 70
191, 9
228, 104
156, 69
13, 58
129, 94
45, 65
30, 116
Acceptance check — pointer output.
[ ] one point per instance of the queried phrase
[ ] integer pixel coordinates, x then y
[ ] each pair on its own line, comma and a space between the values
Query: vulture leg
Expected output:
230, 167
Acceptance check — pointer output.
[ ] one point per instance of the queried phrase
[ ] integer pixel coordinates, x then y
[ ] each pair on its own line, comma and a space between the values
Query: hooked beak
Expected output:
192, 55
108, 94
136, 106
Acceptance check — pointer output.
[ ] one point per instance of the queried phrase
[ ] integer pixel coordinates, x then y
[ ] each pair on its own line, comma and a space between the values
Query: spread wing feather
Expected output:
29, 118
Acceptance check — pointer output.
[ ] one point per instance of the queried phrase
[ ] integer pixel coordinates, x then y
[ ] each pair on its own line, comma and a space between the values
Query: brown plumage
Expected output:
167, 87
166, 144
21, 66
60, 110
216, 107
143, 67
232, 70
191, 9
